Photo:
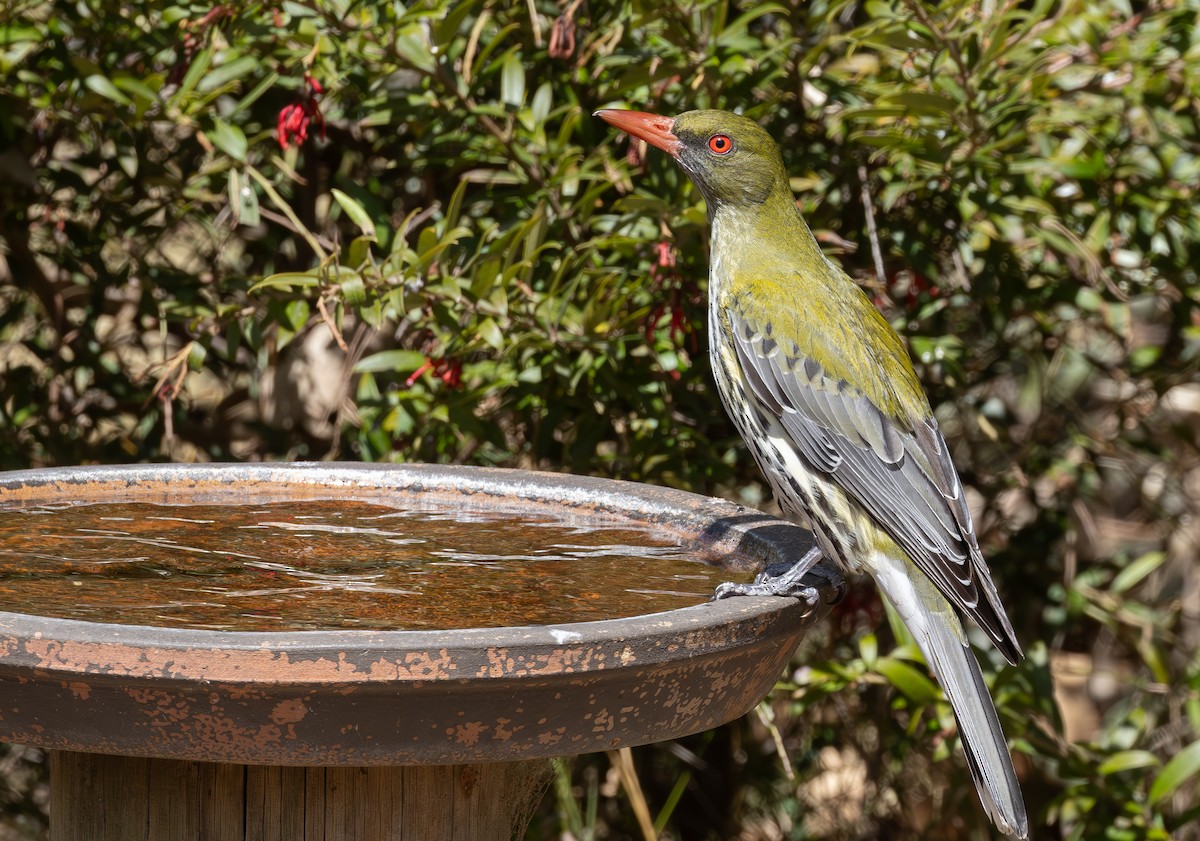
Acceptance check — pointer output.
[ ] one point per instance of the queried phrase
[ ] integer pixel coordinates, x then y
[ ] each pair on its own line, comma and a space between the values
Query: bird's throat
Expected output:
759, 241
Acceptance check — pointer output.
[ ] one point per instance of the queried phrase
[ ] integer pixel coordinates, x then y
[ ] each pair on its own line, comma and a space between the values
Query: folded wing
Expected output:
898, 469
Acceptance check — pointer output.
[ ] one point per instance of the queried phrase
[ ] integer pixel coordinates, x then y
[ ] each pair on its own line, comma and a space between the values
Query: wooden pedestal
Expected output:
94, 797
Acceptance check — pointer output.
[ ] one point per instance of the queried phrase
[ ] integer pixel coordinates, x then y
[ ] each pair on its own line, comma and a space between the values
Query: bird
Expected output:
822, 390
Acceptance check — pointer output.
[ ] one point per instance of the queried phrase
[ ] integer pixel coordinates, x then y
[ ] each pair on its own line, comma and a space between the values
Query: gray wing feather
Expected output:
902, 477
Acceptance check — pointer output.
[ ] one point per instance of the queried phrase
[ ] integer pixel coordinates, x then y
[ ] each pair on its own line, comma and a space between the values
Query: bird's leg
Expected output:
785, 583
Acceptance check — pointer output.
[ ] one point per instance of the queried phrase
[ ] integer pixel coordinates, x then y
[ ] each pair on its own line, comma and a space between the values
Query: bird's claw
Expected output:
769, 585
785, 582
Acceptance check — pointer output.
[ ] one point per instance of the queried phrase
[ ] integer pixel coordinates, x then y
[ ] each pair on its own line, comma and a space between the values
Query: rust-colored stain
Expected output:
399, 697
467, 779
502, 732
416, 665
289, 712
468, 734
501, 662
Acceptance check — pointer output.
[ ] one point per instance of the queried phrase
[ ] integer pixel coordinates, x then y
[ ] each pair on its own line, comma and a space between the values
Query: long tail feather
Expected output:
938, 633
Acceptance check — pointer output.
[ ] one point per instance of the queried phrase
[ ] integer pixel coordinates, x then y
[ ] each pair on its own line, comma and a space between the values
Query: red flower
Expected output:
667, 283
448, 371
293, 124
451, 372
416, 375
295, 117
666, 255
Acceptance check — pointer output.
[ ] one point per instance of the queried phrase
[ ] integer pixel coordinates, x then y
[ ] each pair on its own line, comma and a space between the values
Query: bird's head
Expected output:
730, 158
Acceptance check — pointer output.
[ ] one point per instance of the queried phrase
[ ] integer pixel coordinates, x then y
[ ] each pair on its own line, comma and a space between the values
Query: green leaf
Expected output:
1129, 577
915, 685
454, 208
354, 289
414, 50
243, 200
451, 20
357, 214
484, 278
296, 312
1179, 769
490, 333
398, 361
14, 34
195, 72
868, 649
104, 86
512, 81
1145, 357
283, 335
1084, 167
917, 102
227, 73
287, 280
1127, 760
543, 99
197, 353
358, 252
137, 87
739, 26
229, 139
427, 241
371, 313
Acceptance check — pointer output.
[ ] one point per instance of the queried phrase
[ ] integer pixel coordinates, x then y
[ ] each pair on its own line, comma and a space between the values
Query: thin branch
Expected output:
284, 222
333, 330
872, 233
287, 211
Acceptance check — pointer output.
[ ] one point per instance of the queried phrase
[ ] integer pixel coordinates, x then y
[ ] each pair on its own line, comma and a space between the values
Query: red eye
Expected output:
720, 144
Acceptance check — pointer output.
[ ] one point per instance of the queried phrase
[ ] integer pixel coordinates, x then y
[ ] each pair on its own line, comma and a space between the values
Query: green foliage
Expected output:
447, 259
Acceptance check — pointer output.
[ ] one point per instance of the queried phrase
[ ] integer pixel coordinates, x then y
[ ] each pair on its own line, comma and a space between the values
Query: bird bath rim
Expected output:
361, 697
744, 534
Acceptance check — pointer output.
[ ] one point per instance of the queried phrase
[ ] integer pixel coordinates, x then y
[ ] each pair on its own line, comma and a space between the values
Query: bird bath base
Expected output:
94, 796
186, 733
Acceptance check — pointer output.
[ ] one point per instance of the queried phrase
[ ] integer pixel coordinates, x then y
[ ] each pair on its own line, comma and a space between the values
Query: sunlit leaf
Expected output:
243, 199
868, 649
104, 86
512, 81
915, 685
542, 100
1179, 769
355, 211
1135, 572
1127, 760
396, 361
287, 280
229, 139
226, 73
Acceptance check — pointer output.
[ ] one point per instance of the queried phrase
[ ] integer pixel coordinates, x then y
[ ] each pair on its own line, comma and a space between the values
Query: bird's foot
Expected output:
768, 585
779, 580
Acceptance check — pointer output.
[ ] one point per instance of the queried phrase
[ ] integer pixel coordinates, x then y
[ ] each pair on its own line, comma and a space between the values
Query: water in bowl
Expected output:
328, 565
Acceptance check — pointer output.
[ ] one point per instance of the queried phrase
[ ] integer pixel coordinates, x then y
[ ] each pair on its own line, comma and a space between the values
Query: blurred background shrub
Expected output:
328, 229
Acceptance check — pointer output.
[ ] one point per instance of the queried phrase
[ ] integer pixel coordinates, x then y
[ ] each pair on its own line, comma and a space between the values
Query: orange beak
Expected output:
655, 130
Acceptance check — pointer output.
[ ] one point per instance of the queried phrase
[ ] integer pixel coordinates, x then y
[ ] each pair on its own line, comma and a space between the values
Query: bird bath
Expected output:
289, 717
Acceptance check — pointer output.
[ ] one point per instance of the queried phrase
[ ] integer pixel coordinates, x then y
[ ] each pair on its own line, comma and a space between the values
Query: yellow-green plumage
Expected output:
823, 392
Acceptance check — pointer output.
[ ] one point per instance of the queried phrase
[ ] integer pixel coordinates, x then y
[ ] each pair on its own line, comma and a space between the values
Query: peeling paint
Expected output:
376, 698
289, 711
469, 733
